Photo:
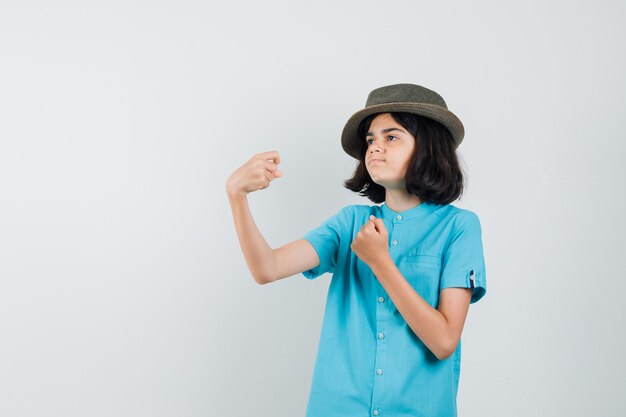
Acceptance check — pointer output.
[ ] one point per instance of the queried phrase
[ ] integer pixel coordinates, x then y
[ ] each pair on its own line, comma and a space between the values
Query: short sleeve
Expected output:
326, 239
463, 260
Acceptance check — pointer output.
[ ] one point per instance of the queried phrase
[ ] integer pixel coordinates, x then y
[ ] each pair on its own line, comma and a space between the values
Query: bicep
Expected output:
294, 258
454, 304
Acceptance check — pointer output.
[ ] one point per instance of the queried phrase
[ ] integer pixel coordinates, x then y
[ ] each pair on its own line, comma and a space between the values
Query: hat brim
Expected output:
350, 140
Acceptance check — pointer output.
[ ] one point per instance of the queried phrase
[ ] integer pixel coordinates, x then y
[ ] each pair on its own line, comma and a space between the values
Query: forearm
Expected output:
258, 254
428, 323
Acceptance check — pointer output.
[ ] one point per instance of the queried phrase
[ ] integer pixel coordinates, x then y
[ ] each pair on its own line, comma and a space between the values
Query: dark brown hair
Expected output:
433, 174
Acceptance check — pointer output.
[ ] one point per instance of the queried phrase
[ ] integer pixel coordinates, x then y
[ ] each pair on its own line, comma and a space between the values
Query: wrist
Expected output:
383, 262
235, 195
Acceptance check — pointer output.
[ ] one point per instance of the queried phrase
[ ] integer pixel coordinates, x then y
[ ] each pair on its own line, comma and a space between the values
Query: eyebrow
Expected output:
386, 130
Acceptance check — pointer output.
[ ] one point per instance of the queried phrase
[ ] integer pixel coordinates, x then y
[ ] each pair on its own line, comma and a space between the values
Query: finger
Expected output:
269, 155
377, 223
270, 166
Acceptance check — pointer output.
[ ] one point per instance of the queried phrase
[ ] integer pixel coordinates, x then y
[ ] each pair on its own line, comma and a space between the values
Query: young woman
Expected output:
404, 272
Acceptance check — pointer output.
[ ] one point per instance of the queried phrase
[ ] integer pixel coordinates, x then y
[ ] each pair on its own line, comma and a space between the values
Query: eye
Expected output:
367, 141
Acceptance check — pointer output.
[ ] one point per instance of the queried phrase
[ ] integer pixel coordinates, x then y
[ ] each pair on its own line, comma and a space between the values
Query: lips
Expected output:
376, 160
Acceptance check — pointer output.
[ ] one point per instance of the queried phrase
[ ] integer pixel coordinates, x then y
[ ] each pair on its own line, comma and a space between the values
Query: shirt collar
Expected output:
419, 211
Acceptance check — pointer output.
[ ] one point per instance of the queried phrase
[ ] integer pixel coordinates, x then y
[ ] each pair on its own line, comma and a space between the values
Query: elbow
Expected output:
262, 279
443, 354
260, 275
446, 349
263, 273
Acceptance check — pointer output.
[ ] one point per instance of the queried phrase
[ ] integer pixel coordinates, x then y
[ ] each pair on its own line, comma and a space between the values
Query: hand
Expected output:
371, 243
254, 175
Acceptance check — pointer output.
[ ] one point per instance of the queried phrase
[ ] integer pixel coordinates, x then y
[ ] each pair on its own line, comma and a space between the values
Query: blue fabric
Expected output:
369, 362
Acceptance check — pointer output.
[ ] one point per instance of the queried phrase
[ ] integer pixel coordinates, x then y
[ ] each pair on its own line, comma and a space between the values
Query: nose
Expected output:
374, 146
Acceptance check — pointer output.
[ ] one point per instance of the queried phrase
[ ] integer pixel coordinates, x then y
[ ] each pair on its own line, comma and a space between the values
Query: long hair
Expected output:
433, 174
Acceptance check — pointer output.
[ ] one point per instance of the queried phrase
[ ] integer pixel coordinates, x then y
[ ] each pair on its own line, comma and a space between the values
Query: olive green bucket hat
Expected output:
408, 98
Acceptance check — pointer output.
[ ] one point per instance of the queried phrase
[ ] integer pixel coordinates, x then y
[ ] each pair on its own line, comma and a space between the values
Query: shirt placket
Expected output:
384, 318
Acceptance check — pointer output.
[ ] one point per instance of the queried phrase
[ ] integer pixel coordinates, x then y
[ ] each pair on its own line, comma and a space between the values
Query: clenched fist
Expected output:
371, 243
254, 175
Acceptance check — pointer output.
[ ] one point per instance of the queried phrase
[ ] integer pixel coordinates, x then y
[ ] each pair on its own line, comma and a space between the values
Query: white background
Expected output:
123, 289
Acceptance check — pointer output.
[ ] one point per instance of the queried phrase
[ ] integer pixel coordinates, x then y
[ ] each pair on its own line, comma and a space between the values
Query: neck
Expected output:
399, 200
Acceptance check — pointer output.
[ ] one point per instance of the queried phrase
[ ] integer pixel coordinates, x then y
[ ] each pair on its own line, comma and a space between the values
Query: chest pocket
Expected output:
423, 271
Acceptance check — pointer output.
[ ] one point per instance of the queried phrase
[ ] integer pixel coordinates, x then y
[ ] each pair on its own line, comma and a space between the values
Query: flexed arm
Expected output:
265, 263
438, 328
254, 175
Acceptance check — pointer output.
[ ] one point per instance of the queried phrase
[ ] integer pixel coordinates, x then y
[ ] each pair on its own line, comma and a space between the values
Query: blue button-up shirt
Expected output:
369, 361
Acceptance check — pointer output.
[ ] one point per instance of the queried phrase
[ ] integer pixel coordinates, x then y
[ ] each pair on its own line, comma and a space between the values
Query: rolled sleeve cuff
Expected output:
463, 279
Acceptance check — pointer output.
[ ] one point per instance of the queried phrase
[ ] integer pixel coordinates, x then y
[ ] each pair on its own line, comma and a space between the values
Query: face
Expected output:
389, 150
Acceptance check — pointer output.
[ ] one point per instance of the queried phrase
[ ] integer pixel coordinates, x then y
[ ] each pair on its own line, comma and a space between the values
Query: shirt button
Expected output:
399, 217
394, 243
381, 335
375, 412
379, 371
381, 299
